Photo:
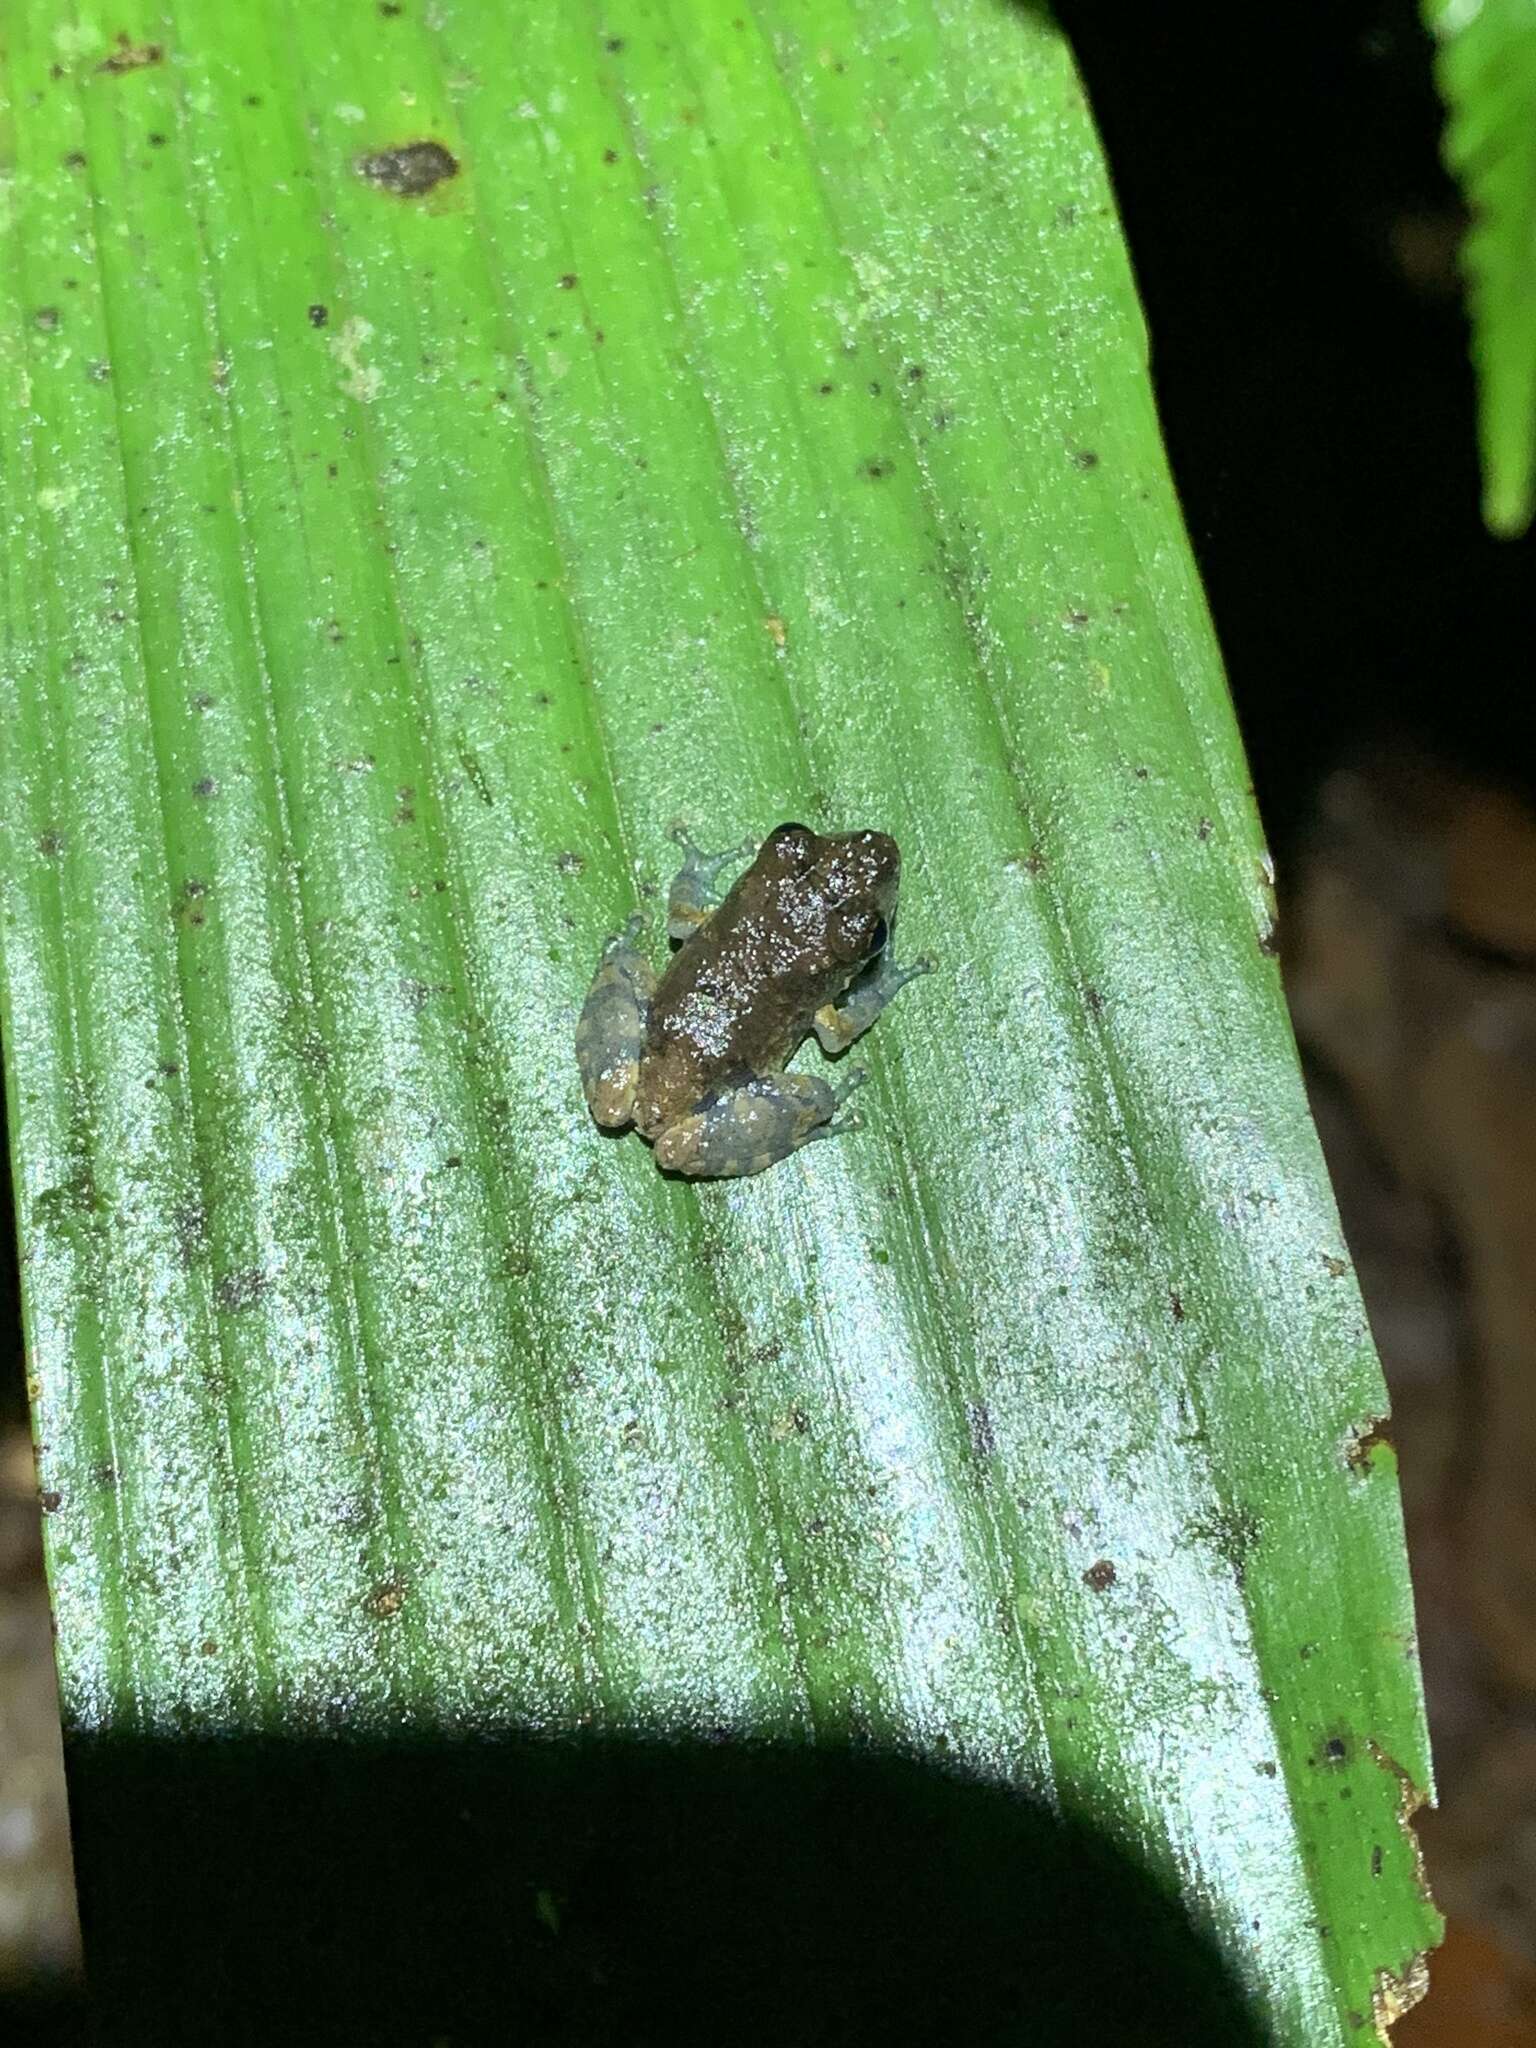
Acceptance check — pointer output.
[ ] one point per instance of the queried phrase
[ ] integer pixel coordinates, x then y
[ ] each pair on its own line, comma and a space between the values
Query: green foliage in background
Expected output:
442, 448
1486, 68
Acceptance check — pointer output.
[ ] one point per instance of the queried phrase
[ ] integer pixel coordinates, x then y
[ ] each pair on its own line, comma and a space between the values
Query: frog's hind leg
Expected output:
693, 894
611, 1029
839, 1024
744, 1129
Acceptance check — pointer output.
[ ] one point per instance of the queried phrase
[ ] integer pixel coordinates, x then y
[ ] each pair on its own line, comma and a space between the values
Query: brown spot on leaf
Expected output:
127, 55
1365, 1439
409, 168
1099, 1577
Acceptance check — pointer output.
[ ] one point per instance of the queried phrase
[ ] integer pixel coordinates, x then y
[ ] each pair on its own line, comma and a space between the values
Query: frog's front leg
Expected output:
744, 1129
611, 1029
693, 894
839, 1024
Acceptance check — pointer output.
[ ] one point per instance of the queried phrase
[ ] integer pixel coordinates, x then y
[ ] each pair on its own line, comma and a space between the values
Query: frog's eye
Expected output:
792, 846
855, 932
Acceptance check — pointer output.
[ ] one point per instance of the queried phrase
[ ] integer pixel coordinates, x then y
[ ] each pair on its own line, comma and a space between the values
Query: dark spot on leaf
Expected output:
1233, 1532
1365, 1438
408, 169
610, 156
1085, 458
241, 1289
50, 844
190, 1223
568, 281
1094, 1000
826, 390
983, 1437
1099, 1577
1336, 1268
569, 863
105, 1474
876, 467
1336, 1749
318, 315
387, 1599
52, 1502
157, 142
1074, 619
206, 785
418, 994
130, 56
915, 373
46, 318
613, 45
390, 8
74, 161
1376, 1860
1204, 829
1177, 1306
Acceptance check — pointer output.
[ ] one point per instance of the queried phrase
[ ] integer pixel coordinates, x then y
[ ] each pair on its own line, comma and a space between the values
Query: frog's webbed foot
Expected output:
693, 894
744, 1129
839, 1024
611, 1028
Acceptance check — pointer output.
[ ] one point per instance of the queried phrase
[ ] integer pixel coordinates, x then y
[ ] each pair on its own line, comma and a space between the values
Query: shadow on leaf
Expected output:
545, 1890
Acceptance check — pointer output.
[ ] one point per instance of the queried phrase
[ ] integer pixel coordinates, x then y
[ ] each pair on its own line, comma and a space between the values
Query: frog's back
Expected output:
719, 1014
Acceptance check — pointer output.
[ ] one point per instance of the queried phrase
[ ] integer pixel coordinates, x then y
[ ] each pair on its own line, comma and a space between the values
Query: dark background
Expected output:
1293, 233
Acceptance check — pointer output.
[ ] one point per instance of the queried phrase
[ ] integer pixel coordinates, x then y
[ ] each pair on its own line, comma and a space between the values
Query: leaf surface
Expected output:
457, 444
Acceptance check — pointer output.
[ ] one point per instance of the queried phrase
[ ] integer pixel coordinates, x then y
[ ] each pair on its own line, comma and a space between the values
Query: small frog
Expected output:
696, 1061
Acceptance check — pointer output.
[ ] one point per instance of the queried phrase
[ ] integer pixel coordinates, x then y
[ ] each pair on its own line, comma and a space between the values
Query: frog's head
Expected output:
851, 877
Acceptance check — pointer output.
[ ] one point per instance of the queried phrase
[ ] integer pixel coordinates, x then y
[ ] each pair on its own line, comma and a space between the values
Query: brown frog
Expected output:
696, 1061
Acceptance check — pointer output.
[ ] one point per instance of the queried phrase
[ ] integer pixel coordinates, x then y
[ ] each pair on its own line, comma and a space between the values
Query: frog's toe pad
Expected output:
611, 1094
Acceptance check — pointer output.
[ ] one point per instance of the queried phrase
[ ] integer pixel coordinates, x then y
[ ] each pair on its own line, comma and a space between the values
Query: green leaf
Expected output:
1486, 70
457, 443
